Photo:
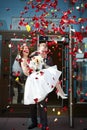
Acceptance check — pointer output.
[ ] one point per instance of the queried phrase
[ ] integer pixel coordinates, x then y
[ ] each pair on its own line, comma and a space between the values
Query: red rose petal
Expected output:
36, 77
36, 100
38, 0
39, 125
37, 25
45, 109
47, 128
11, 110
85, 5
41, 72
47, 0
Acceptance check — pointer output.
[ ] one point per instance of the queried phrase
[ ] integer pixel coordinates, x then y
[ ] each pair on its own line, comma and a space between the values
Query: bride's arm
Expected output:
46, 66
26, 69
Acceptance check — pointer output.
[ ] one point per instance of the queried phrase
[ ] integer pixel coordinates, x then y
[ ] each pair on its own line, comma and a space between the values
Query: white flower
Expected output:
36, 62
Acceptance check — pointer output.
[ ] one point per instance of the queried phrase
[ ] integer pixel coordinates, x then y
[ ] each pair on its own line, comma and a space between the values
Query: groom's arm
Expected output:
35, 53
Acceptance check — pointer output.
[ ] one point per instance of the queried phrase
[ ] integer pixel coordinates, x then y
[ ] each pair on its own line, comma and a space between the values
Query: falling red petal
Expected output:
9, 100
39, 125
47, 0
85, 94
11, 110
85, 5
41, 72
36, 77
26, 8
38, 0
36, 100
30, 70
45, 109
54, 4
47, 128
73, 1
52, 86
81, 100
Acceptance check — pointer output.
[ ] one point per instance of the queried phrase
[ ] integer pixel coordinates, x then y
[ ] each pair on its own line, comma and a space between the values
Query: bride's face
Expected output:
25, 51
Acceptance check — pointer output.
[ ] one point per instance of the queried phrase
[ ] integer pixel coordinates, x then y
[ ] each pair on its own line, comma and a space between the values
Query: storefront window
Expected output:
0, 52
81, 75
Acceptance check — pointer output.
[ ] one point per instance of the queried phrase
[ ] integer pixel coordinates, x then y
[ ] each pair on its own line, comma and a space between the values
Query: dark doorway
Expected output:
58, 54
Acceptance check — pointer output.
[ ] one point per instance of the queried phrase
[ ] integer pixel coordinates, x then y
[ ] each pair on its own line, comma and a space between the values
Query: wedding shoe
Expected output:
61, 92
61, 95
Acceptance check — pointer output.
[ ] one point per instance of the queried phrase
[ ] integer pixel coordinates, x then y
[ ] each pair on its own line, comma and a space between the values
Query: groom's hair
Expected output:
42, 42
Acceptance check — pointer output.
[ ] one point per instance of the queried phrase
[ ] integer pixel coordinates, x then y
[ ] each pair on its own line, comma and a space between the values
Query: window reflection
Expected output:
0, 52
81, 81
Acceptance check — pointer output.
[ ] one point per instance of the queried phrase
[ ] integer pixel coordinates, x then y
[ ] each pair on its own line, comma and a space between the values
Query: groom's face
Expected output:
43, 48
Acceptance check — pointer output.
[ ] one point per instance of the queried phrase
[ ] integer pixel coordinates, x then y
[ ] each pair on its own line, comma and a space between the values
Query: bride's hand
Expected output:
46, 66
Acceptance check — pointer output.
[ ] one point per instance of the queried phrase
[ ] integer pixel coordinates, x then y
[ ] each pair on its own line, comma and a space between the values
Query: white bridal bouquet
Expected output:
36, 63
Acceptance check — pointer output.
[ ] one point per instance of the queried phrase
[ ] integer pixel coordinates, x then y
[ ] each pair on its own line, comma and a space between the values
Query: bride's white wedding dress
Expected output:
39, 84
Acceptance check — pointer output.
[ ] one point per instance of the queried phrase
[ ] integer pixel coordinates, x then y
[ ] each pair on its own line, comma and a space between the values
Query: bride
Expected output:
40, 82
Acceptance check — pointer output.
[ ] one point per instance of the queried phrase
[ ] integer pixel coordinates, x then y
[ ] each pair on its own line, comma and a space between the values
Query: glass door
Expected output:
0, 52
82, 81
59, 53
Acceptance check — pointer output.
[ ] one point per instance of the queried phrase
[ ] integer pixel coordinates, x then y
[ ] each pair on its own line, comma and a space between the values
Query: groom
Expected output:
42, 106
